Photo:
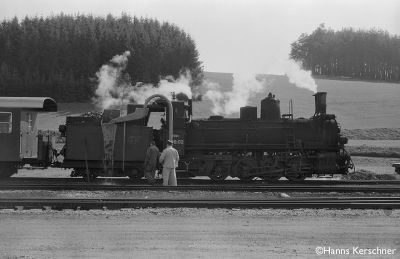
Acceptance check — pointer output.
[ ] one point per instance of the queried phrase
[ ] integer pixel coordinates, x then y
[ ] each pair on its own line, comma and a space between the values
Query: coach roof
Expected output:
31, 103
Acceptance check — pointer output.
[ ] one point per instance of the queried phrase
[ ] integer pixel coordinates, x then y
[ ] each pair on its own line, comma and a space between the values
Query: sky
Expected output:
246, 36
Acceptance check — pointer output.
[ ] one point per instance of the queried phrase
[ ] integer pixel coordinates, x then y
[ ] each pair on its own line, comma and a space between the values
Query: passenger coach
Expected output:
19, 138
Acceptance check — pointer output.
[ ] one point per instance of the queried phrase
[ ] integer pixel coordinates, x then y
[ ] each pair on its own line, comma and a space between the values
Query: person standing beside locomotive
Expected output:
150, 162
169, 159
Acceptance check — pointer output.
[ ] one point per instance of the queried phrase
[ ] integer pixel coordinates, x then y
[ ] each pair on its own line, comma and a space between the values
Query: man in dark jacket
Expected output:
150, 162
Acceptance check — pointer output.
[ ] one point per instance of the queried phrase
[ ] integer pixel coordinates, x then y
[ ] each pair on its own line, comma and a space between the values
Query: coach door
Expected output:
29, 139
9, 135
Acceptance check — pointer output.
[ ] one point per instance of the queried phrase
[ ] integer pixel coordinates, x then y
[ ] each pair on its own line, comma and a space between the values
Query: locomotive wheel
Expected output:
273, 172
244, 168
295, 177
135, 173
246, 179
270, 179
219, 173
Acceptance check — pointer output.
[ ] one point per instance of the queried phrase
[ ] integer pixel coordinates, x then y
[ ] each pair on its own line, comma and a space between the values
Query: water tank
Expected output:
248, 113
270, 108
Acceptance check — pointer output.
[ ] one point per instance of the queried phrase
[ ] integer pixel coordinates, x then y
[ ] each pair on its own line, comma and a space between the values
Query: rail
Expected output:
202, 187
388, 203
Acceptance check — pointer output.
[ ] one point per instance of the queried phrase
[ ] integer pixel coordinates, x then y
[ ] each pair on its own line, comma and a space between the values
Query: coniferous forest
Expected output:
59, 56
365, 55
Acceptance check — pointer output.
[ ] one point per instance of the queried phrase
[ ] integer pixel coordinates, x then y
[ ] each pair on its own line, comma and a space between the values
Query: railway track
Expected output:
225, 187
188, 181
316, 203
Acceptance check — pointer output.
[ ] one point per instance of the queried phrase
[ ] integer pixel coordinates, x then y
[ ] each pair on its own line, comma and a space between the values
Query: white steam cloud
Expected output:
165, 87
109, 92
300, 77
244, 87
115, 88
247, 85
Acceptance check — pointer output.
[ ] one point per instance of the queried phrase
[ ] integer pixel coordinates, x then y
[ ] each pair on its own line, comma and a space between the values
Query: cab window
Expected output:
5, 122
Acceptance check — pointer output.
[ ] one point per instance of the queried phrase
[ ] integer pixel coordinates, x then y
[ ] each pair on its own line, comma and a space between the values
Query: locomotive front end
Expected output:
343, 159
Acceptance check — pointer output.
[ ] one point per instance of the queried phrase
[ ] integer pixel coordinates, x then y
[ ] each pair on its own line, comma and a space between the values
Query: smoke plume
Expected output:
115, 87
165, 87
299, 77
244, 87
111, 86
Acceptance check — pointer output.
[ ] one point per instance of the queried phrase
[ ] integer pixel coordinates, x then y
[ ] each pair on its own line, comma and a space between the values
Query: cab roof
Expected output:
46, 104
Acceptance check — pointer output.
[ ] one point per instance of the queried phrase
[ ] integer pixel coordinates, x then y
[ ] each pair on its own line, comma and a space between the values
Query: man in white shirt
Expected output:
169, 159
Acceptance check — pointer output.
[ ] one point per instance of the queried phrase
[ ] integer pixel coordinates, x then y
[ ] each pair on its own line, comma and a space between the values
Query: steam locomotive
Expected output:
267, 147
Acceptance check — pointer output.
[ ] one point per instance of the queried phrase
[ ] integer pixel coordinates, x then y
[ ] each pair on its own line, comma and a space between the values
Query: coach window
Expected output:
29, 122
5, 122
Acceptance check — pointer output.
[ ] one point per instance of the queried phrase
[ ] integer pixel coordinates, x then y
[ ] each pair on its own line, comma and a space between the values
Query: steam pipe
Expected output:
170, 109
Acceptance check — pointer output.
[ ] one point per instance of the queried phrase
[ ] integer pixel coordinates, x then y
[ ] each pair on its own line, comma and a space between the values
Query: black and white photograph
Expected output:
199, 129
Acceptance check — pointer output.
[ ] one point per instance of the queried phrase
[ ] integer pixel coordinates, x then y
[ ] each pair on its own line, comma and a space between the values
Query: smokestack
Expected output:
320, 103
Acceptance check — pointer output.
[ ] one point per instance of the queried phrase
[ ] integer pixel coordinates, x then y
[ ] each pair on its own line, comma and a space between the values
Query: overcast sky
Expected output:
233, 35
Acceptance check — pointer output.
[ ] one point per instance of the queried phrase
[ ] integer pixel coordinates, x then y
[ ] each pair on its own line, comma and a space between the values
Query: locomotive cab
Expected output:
157, 119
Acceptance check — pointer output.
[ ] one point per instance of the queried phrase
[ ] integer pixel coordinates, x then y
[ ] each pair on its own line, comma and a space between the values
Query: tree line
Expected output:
362, 54
58, 56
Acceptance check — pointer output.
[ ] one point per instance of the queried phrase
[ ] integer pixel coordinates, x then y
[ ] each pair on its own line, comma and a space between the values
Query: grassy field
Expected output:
373, 134
374, 151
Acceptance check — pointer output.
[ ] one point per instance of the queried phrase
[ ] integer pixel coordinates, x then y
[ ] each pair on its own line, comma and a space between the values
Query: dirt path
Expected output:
193, 233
